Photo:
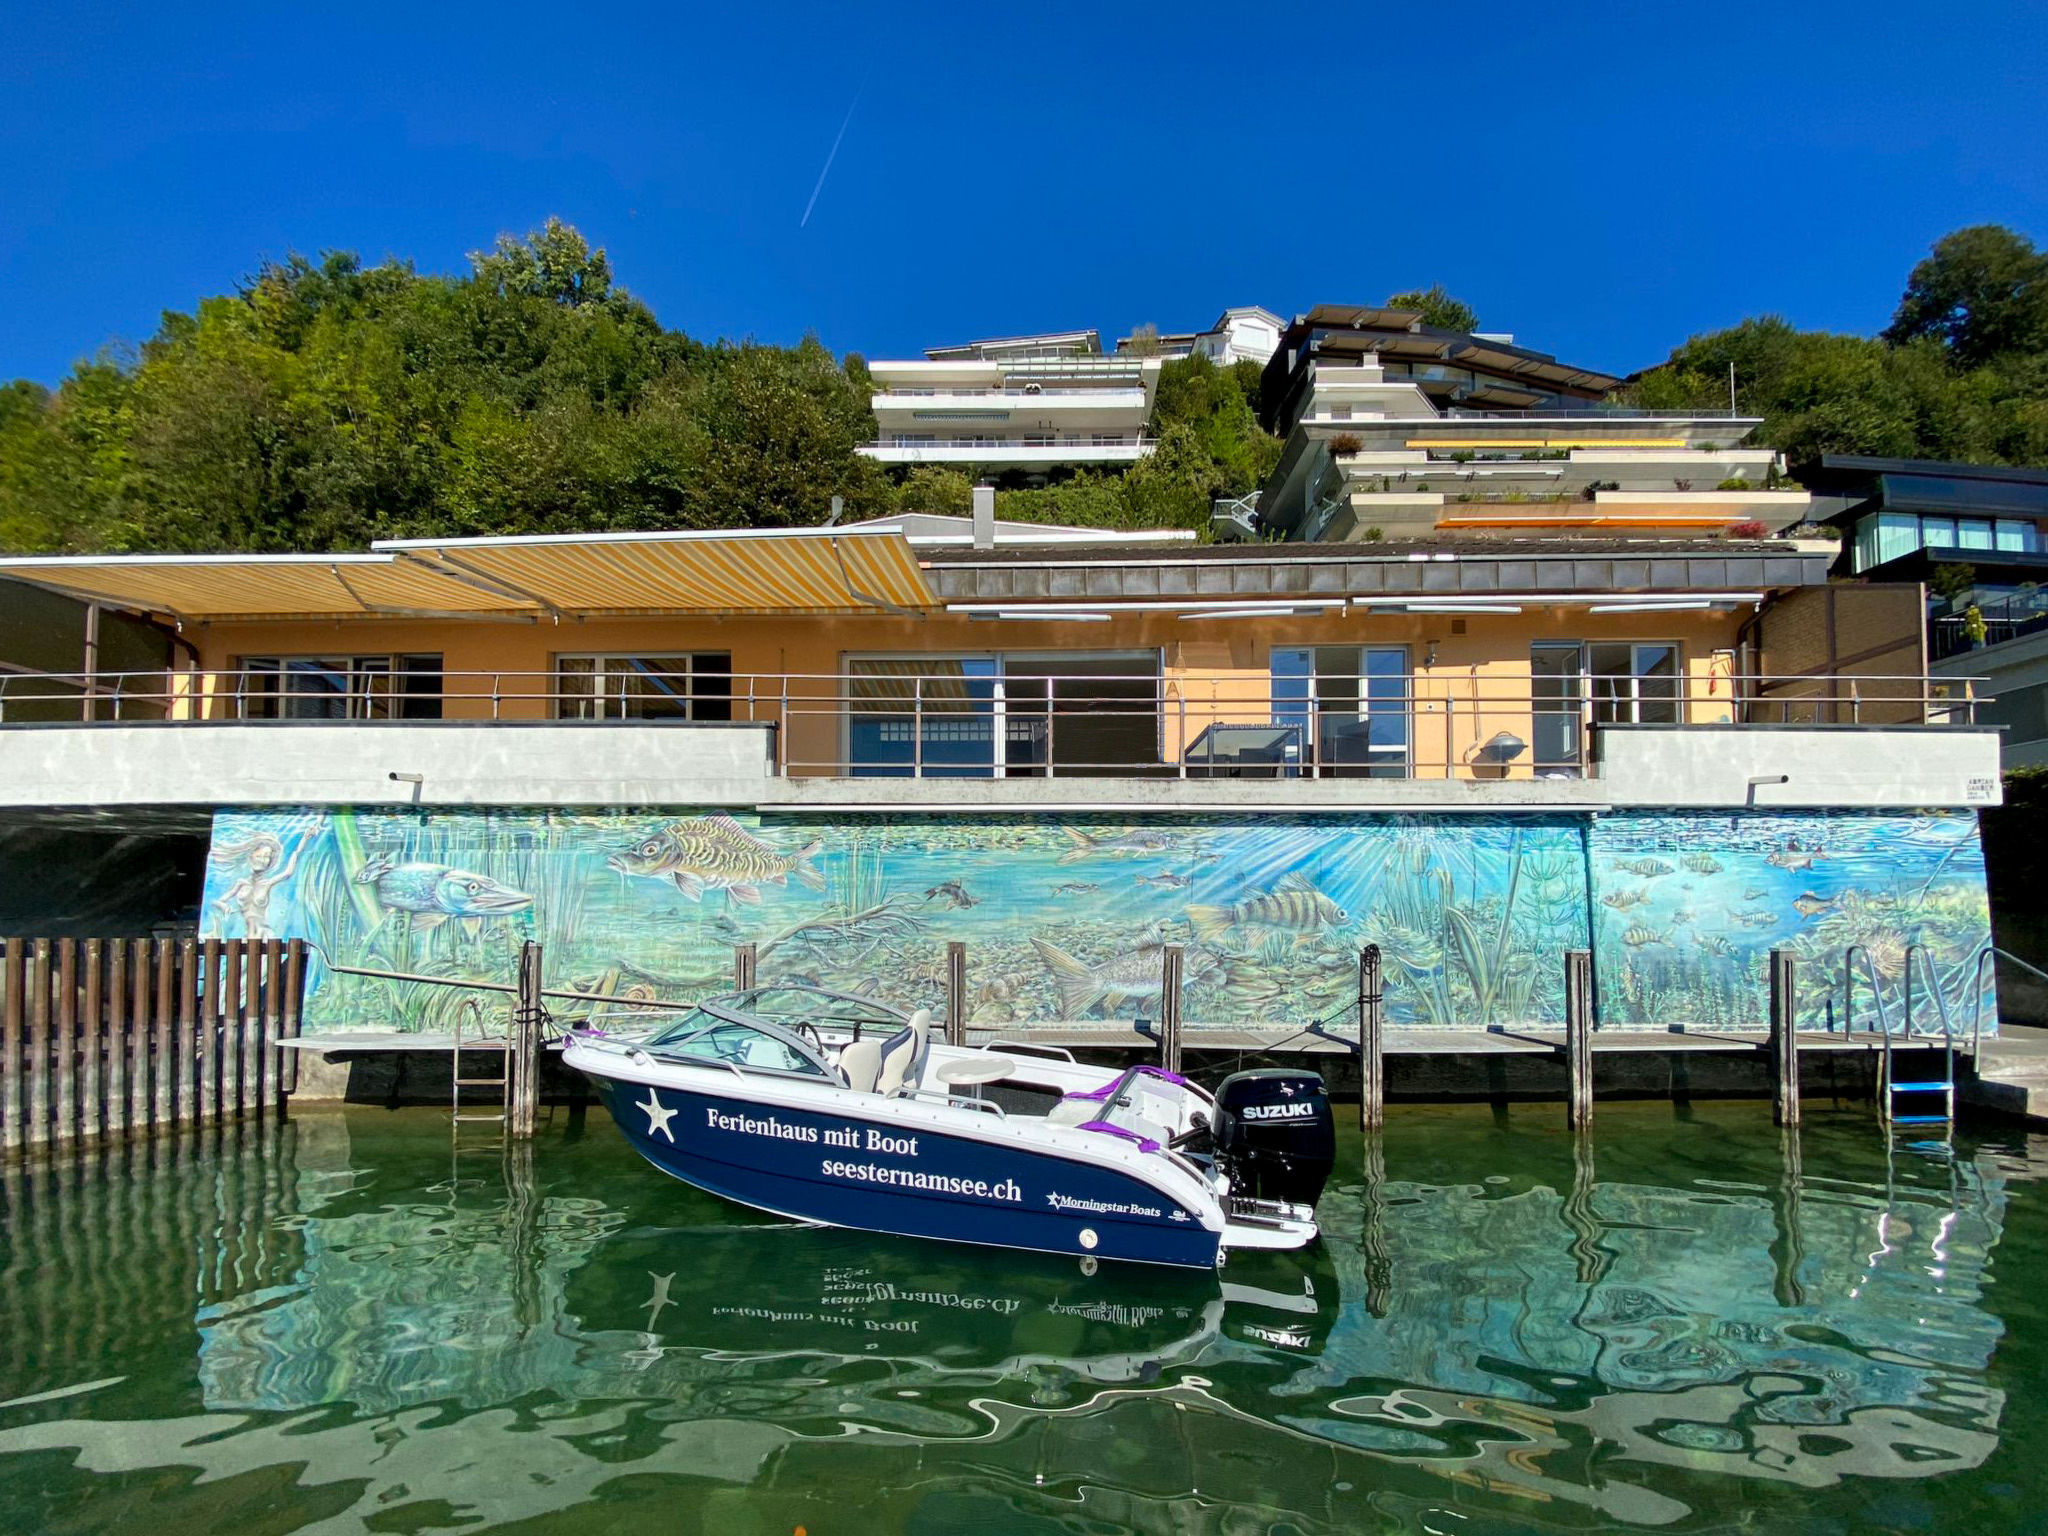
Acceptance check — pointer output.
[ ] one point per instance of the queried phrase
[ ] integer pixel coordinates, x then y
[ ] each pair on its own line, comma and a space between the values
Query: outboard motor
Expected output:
1274, 1134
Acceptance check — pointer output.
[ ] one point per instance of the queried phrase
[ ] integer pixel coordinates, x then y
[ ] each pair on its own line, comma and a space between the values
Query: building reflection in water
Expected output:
1692, 1307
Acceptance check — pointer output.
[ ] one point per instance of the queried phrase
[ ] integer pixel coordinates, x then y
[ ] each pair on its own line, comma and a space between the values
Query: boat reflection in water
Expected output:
1710, 1321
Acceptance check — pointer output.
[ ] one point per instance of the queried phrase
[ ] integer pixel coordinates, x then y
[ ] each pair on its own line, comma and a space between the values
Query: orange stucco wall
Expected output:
1471, 671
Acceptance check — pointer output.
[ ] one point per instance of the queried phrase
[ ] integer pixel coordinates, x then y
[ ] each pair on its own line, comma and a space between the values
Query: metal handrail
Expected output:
1436, 716
1933, 978
1849, 990
1988, 952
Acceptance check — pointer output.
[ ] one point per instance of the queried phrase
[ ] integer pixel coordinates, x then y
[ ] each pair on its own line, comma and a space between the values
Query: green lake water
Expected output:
1687, 1322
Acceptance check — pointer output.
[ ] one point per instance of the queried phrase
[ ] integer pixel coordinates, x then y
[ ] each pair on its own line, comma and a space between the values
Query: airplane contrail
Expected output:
827, 171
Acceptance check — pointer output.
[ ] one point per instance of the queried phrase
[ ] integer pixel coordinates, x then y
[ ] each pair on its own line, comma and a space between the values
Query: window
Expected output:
1002, 715
1576, 683
406, 687
1352, 705
679, 685
1884, 536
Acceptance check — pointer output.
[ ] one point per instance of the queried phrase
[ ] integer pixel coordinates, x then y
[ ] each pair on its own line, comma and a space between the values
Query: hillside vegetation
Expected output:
325, 404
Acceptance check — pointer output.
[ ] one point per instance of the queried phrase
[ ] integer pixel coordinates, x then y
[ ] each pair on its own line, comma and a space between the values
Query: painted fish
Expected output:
954, 892
1171, 882
1702, 863
434, 893
1757, 919
1637, 936
1683, 917
715, 853
1294, 904
1649, 869
1125, 845
1806, 904
1621, 901
1755, 893
1137, 973
1715, 945
1076, 888
1793, 858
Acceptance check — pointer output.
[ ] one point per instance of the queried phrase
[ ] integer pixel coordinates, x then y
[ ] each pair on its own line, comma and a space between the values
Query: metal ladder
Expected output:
1889, 1085
470, 1010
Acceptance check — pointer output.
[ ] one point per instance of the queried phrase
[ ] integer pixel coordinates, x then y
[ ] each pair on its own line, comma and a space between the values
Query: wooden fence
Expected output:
106, 1037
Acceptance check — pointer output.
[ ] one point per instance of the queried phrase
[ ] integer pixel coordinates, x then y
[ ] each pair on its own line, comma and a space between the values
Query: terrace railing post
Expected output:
1578, 1037
956, 993
746, 964
1784, 1045
1372, 1088
917, 727
1169, 1009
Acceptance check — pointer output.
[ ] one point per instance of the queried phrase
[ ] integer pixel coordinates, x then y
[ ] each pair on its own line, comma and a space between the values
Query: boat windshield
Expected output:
701, 1035
790, 1006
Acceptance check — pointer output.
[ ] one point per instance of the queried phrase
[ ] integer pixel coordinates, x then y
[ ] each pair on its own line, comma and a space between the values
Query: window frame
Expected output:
594, 707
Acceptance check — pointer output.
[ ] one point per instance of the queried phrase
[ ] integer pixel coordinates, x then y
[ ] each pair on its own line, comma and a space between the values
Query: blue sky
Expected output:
1603, 180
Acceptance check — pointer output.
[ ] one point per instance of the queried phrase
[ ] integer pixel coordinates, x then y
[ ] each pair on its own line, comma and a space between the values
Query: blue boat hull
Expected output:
910, 1181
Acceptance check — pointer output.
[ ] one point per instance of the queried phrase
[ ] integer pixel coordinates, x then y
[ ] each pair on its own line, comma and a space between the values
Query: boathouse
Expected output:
849, 746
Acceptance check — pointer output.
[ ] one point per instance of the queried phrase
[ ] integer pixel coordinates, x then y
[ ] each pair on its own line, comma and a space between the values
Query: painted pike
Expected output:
434, 893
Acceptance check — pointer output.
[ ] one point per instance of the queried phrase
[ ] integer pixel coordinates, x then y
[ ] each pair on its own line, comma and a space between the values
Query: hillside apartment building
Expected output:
1029, 407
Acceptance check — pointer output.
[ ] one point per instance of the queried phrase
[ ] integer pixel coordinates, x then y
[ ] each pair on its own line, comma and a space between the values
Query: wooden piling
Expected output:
64, 1036
185, 1071
160, 1053
1169, 1009
94, 1083
140, 1111
746, 966
230, 1018
956, 993
210, 1014
294, 1001
13, 1057
1578, 1036
521, 1113
1372, 1059
38, 1117
113, 1080
1784, 1039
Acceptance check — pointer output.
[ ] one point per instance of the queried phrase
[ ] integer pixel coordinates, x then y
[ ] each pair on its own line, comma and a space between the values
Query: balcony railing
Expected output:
941, 718
2023, 613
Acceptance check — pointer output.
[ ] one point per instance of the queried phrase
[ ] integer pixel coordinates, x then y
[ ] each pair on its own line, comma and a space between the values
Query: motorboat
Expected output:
837, 1109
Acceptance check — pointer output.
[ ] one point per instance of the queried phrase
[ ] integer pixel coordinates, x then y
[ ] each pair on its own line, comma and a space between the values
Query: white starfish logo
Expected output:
657, 1117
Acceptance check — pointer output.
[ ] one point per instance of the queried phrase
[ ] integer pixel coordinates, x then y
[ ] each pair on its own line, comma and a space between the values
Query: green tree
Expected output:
1982, 293
1438, 308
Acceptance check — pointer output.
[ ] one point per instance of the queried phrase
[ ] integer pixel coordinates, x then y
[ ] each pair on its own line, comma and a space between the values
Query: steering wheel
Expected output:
809, 1031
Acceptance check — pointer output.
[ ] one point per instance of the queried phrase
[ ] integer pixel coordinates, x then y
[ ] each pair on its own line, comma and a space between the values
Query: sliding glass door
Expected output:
1576, 684
1351, 704
1002, 715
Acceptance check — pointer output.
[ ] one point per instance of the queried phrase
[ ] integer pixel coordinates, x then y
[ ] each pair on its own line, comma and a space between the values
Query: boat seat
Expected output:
860, 1064
903, 1054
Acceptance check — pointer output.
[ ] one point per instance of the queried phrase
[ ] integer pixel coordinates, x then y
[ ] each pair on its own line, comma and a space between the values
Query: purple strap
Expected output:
1103, 1092
1145, 1143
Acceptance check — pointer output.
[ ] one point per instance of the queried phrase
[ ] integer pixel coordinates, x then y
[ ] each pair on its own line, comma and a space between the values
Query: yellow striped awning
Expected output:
756, 570
795, 570
257, 586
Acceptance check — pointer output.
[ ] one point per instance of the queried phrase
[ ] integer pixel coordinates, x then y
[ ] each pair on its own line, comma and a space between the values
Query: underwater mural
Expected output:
1687, 909
1066, 917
